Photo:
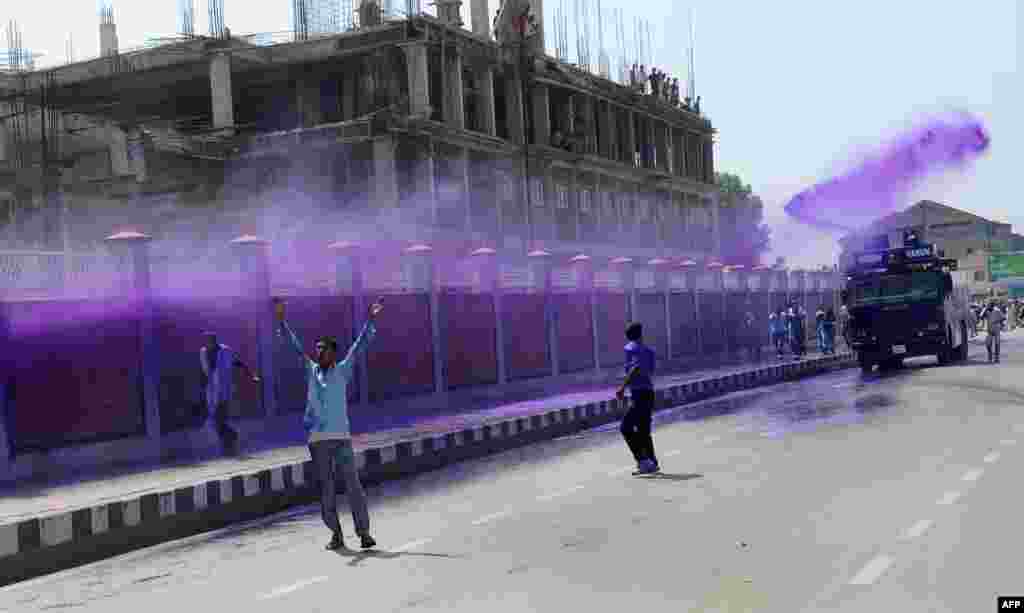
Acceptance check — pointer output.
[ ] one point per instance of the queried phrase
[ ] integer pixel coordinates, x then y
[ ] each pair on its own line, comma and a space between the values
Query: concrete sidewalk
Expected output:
45, 528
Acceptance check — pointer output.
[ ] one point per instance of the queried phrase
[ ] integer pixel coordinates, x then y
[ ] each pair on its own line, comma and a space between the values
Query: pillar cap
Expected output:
483, 251
735, 267
128, 236
657, 262
419, 248
687, 263
762, 267
714, 264
582, 257
538, 253
249, 239
622, 260
342, 246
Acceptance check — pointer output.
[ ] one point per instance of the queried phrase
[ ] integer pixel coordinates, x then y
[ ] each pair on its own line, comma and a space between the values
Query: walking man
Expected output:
327, 424
636, 425
777, 329
218, 363
995, 320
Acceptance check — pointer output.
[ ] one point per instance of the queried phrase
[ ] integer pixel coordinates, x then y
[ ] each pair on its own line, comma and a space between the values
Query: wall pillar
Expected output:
385, 179
489, 126
348, 276
480, 16
540, 262
6, 409
132, 249
220, 91
254, 253
425, 278
630, 139
419, 81
541, 115
455, 112
490, 280
307, 98
514, 109
349, 82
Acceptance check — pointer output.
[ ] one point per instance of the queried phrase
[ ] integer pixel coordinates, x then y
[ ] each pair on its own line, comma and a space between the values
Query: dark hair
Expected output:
635, 331
330, 341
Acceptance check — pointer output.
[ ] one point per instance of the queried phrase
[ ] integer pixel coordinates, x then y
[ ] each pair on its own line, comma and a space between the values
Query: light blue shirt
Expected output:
326, 414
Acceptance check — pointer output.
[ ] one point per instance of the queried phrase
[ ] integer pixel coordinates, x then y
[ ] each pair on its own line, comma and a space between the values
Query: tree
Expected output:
731, 184
745, 237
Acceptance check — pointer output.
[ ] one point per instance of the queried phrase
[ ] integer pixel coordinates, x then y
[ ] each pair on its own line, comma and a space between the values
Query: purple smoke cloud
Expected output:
879, 184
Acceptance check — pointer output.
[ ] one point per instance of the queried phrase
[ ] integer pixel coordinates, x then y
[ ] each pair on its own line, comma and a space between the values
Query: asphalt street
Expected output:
842, 492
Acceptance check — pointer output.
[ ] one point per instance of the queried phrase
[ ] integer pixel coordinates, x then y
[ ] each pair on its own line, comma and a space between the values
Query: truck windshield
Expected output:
892, 289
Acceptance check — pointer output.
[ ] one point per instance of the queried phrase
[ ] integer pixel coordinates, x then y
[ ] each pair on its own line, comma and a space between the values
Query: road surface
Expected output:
843, 492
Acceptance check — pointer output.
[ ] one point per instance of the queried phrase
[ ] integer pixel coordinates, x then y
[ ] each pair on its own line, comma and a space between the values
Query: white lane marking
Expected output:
672, 453
489, 518
288, 589
1008, 442
949, 498
917, 529
872, 571
973, 475
992, 457
552, 496
411, 545
710, 440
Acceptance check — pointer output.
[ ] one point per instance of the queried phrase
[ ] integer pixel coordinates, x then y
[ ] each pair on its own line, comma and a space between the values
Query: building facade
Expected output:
418, 125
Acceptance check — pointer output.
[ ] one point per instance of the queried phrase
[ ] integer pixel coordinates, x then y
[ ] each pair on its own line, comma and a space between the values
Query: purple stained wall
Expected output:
469, 338
684, 325
73, 383
611, 327
526, 342
575, 332
401, 360
712, 323
652, 316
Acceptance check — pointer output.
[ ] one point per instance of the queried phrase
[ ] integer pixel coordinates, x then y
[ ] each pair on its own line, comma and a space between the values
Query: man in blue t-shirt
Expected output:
636, 425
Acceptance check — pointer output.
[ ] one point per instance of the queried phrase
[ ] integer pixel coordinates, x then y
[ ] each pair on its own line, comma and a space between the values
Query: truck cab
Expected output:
903, 303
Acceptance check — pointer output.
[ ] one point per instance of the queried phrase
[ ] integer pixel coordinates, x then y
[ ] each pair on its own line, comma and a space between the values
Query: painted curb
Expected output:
47, 544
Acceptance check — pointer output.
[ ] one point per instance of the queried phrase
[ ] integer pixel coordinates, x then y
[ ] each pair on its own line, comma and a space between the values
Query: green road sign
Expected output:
1006, 265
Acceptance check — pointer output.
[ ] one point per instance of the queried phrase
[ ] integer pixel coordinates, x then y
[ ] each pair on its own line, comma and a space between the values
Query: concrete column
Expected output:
348, 274
425, 184
590, 115
630, 138
487, 100
461, 162
220, 91
692, 277
108, 39
385, 179
132, 248
254, 253
664, 149
419, 78
348, 96
455, 113
607, 119
629, 284
541, 115
307, 98
480, 16
514, 110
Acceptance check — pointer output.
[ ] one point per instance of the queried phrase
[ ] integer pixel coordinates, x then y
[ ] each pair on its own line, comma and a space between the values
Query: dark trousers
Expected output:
228, 435
636, 426
329, 457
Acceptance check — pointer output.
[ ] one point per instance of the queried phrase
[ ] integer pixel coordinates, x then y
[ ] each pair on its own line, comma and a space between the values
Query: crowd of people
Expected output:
995, 317
658, 84
787, 328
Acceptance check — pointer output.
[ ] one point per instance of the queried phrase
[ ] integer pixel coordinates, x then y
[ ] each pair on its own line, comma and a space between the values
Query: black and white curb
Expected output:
54, 542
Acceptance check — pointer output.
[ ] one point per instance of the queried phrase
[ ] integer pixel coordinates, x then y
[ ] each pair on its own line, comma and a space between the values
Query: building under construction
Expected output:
419, 124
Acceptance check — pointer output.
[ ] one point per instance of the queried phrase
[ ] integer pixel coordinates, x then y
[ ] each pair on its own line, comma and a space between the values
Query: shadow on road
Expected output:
671, 476
357, 557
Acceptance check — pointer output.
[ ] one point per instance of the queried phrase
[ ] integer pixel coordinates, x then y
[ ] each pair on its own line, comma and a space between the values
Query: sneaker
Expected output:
366, 541
336, 542
646, 467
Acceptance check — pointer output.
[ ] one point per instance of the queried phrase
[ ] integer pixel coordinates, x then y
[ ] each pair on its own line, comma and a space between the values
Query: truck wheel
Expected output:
865, 364
962, 351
